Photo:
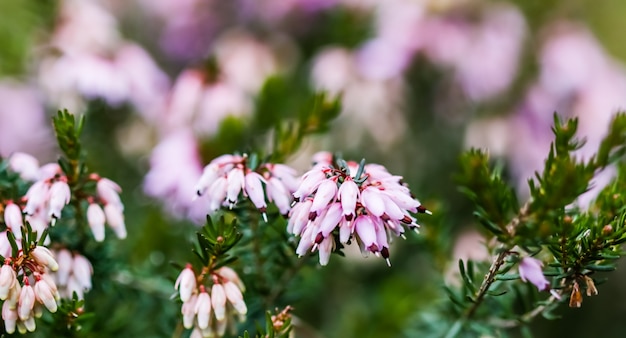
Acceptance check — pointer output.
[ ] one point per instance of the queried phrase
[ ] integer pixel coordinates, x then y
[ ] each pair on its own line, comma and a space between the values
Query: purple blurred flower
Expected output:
530, 271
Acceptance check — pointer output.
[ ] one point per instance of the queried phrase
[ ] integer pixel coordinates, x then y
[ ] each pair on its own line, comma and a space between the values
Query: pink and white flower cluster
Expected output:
23, 302
74, 274
113, 212
364, 203
209, 311
228, 176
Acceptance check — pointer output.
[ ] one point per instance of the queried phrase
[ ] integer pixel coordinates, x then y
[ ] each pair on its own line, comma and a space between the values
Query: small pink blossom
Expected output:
203, 309
9, 315
115, 219
45, 295
186, 283
60, 195
82, 271
234, 296
96, 220
26, 301
109, 192
13, 217
218, 300
7, 280
26, 165
530, 271
44, 257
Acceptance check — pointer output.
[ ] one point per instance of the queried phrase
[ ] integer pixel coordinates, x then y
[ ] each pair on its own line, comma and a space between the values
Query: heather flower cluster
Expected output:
23, 302
212, 301
345, 200
74, 274
34, 276
228, 176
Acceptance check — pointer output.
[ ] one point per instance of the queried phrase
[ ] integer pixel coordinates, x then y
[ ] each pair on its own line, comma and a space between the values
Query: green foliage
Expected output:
576, 243
215, 240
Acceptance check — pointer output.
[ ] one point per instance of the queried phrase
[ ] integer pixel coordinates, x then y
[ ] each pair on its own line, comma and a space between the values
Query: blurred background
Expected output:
167, 85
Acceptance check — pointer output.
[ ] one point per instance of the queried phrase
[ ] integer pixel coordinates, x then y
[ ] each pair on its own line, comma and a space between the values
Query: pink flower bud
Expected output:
365, 228
331, 219
30, 324
44, 257
218, 300
9, 315
109, 192
325, 194
348, 194
115, 219
345, 230
26, 302
218, 192
73, 286
186, 283
254, 189
530, 271
96, 219
235, 179
188, 311
45, 295
278, 193
8, 278
203, 309
230, 275
82, 271
234, 296
209, 175
310, 181
49, 170
25, 165
325, 249
13, 217
299, 216
65, 261
371, 199
36, 197
60, 195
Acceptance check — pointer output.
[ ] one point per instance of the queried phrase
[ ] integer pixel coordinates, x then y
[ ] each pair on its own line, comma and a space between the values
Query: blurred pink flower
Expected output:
23, 122
175, 167
530, 271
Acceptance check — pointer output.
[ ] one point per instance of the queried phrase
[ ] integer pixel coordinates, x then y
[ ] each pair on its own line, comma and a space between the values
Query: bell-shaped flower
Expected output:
186, 283
530, 270
96, 220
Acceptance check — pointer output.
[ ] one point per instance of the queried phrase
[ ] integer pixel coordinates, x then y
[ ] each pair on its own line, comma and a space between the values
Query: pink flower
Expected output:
203, 309
109, 192
82, 271
530, 271
9, 315
25, 165
115, 219
60, 195
36, 196
45, 294
218, 300
44, 257
26, 301
96, 220
188, 311
234, 296
254, 189
13, 217
186, 283
7, 280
